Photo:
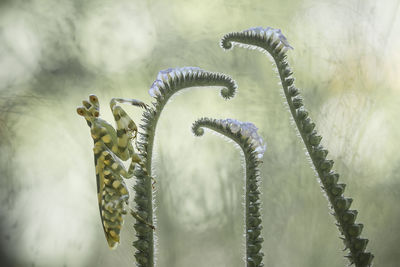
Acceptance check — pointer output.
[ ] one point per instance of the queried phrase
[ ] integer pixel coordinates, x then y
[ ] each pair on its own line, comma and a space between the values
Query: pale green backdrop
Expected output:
53, 54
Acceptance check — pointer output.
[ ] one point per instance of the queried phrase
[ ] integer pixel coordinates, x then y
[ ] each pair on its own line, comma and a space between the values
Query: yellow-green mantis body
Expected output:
111, 147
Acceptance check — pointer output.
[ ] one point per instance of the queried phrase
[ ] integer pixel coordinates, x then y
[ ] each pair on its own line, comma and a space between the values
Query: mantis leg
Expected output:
126, 127
137, 160
126, 131
137, 217
101, 147
115, 166
133, 102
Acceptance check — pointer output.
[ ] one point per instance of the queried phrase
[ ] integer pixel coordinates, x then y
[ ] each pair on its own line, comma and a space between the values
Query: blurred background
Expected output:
53, 54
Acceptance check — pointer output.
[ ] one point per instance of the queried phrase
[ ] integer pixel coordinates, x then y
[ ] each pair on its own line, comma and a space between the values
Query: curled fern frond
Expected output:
272, 41
167, 83
173, 79
246, 136
264, 39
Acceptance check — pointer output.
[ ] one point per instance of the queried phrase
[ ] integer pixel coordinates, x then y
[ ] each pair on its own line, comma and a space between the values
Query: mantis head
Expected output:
90, 109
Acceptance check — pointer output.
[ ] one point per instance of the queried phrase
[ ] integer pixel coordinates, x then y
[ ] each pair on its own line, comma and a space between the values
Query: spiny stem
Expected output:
245, 135
167, 83
272, 41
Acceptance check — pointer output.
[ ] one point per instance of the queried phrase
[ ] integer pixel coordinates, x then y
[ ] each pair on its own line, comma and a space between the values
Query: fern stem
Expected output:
245, 135
168, 82
272, 42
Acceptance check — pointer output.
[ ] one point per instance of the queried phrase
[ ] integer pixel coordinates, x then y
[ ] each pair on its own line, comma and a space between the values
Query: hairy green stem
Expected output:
271, 41
168, 82
253, 226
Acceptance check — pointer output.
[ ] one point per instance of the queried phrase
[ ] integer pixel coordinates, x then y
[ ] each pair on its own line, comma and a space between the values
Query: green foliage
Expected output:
245, 135
273, 42
168, 82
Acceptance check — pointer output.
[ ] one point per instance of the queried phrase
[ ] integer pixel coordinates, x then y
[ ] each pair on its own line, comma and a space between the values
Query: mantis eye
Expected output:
93, 99
80, 111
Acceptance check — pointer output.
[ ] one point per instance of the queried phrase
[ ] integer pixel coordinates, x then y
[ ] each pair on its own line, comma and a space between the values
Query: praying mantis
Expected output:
111, 147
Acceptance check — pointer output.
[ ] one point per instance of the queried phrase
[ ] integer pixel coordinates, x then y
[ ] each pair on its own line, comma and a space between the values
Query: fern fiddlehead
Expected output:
167, 83
273, 42
253, 147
